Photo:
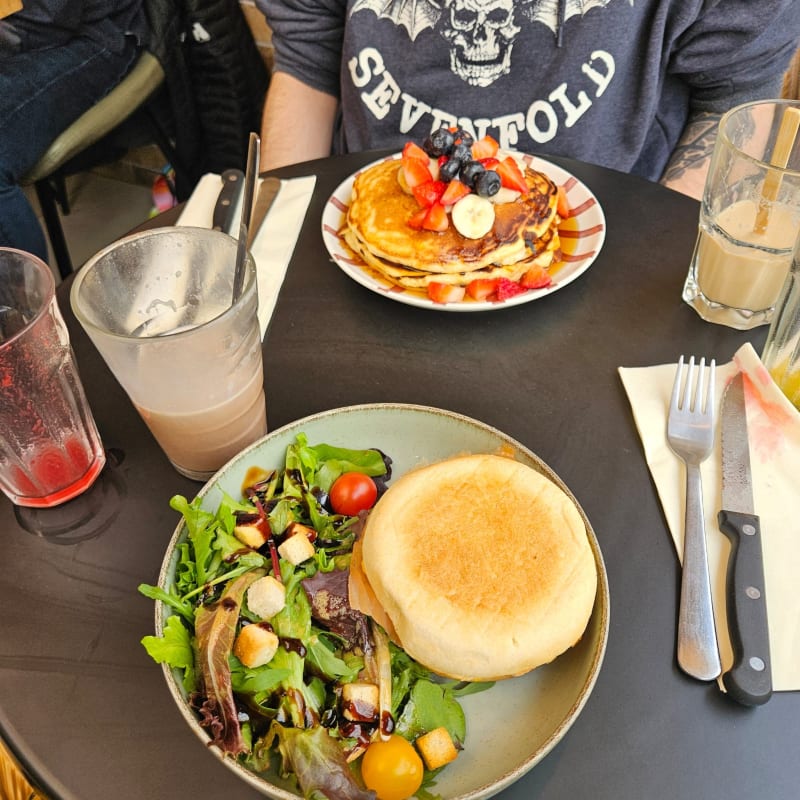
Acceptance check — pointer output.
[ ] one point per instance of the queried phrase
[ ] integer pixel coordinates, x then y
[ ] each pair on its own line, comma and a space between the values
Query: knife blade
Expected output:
227, 200
749, 681
267, 192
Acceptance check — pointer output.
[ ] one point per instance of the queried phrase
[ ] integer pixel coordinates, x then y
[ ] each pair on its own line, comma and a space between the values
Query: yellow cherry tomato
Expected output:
392, 768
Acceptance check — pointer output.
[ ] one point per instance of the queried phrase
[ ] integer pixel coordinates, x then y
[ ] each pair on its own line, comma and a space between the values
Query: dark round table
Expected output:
88, 714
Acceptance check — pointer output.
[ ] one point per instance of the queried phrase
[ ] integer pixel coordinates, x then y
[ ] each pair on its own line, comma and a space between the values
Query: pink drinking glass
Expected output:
50, 450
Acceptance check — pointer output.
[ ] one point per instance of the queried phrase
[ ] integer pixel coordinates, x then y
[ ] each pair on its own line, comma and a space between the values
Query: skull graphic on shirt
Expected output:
481, 36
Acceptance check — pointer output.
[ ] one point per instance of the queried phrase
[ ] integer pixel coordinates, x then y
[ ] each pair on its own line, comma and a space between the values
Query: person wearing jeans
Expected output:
57, 59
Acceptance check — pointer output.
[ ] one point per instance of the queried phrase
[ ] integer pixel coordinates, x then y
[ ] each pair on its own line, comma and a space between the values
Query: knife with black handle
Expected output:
749, 681
225, 207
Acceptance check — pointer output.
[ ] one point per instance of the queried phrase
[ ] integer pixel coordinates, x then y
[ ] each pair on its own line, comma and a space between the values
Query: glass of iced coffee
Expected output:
749, 216
159, 307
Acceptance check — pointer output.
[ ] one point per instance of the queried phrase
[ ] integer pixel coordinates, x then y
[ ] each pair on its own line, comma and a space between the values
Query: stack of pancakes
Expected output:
524, 234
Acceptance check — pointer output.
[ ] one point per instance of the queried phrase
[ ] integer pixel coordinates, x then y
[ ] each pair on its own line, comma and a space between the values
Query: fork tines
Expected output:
696, 389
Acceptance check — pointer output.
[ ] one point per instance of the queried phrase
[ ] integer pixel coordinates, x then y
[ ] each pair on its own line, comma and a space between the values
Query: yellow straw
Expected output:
780, 158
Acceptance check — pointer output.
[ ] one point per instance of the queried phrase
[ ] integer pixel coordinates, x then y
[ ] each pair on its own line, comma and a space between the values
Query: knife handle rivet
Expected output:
757, 664
752, 592
748, 530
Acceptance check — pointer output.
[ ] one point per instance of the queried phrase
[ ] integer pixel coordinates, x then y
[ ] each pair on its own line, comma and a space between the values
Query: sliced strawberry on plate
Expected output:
416, 172
481, 288
445, 292
429, 192
454, 192
417, 220
511, 175
489, 163
412, 150
436, 218
507, 288
485, 147
535, 278
562, 203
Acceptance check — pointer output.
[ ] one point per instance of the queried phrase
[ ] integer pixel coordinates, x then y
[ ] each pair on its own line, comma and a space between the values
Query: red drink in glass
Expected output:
50, 450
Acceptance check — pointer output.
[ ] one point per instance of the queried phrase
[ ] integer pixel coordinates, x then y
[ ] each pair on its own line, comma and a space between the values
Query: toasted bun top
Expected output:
482, 565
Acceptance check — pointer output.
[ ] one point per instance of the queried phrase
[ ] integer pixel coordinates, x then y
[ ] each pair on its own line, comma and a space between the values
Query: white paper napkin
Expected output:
774, 436
276, 239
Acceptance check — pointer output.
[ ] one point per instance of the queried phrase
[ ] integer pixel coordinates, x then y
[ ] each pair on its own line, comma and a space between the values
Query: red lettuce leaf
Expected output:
215, 628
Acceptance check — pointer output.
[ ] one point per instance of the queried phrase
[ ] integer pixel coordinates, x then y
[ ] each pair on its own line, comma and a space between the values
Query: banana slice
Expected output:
505, 195
401, 179
473, 216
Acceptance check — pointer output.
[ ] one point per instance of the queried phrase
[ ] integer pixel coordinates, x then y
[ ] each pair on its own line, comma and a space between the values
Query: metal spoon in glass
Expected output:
250, 178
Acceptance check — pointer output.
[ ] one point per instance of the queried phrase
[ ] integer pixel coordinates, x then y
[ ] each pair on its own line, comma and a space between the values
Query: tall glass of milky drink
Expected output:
749, 216
159, 307
50, 451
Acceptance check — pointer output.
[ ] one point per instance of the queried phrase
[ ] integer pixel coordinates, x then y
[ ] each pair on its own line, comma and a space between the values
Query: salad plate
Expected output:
582, 237
511, 726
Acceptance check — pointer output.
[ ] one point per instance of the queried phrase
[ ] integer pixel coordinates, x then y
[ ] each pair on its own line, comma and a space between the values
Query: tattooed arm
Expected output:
688, 165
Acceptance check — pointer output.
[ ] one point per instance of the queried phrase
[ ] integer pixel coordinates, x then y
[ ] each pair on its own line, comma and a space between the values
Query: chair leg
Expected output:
52, 221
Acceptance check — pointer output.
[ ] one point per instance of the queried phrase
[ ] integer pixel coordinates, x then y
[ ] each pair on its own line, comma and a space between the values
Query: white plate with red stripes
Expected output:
582, 235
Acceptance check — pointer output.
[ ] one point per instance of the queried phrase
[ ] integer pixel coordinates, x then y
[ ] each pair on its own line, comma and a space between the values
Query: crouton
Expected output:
255, 645
436, 748
296, 549
360, 701
266, 597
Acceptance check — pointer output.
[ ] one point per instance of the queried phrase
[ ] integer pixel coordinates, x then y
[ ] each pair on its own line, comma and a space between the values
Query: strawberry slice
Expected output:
481, 288
417, 220
489, 163
429, 192
454, 192
507, 288
535, 278
511, 175
412, 150
436, 218
485, 147
416, 172
445, 293
562, 206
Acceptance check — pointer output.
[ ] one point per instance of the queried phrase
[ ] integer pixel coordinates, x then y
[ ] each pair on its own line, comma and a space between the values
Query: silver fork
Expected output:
690, 433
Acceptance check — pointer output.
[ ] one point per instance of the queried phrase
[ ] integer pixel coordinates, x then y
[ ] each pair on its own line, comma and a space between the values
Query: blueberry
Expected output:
464, 137
470, 171
449, 170
487, 183
439, 143
462, 153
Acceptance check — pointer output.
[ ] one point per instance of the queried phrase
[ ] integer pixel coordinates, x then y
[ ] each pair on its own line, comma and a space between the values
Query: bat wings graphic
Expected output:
419, 15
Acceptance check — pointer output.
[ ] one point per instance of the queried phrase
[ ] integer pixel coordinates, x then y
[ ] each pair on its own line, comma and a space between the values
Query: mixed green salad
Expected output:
281, 671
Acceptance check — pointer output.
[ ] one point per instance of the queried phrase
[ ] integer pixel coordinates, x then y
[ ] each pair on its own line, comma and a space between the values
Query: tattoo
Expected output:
695, 146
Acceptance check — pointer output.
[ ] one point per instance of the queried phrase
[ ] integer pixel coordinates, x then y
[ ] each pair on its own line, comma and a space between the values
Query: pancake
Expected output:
482, 566
379, 210
549, 244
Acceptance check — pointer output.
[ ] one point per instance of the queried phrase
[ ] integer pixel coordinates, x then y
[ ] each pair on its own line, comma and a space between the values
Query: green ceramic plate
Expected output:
543, 704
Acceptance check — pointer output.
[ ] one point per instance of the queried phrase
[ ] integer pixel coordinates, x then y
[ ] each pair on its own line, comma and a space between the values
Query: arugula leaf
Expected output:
156, 593
259, 682
322, 657
322, 464
174, 647
431, 705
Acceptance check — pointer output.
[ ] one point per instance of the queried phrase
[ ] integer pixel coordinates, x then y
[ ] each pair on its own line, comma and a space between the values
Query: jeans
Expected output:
41, 93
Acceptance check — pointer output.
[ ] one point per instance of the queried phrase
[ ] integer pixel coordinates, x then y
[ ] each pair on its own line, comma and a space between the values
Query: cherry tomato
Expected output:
392, 768
353, 492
